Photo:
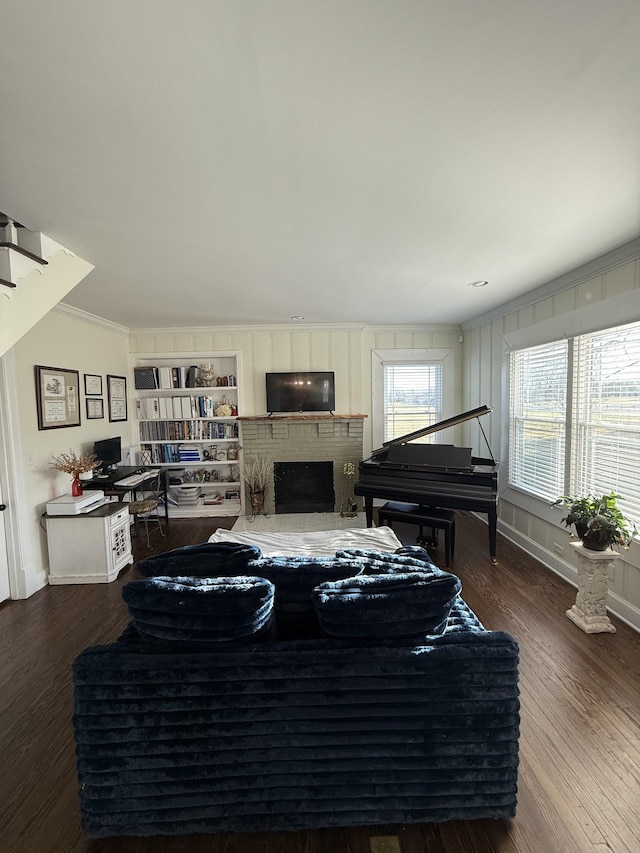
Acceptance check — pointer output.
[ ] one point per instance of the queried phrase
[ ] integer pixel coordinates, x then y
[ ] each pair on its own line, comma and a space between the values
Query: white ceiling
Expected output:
243, 161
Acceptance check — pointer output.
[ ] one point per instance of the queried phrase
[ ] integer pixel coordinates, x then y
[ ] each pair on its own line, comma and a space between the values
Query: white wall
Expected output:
604, 293
344, 349
69, 339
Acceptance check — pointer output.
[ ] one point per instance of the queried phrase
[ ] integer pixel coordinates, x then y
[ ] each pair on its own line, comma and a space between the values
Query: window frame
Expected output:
443, 356
515, 418
585, 321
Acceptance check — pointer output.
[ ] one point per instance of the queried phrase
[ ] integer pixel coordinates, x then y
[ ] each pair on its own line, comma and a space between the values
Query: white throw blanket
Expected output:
315, 543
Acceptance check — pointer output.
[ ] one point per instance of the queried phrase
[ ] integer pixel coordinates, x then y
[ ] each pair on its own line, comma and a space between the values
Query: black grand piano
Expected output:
433, 475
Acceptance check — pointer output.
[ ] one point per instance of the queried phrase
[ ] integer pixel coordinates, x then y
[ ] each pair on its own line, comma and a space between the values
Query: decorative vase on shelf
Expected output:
77, 466
257, 501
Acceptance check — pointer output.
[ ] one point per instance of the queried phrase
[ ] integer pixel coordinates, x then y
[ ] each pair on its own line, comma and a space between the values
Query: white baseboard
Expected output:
31, 579
626, 612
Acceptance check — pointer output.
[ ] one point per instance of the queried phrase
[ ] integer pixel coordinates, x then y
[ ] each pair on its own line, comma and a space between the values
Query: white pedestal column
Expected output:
590, 610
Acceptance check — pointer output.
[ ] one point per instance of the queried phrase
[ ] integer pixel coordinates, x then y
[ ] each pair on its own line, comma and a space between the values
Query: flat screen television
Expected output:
109, 452
301, 392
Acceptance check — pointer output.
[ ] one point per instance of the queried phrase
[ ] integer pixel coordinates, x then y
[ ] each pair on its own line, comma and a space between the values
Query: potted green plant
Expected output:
598, 520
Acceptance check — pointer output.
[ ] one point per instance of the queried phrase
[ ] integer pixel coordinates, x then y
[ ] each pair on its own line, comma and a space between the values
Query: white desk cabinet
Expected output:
91, 547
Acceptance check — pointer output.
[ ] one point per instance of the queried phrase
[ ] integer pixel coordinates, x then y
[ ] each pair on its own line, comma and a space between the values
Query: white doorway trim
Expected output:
24, 580
5, 587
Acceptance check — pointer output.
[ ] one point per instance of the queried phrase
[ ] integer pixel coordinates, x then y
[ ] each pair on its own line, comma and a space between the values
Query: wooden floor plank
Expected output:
579, 779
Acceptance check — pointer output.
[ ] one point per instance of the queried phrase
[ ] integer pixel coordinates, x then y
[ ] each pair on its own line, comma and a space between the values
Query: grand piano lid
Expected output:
438, 427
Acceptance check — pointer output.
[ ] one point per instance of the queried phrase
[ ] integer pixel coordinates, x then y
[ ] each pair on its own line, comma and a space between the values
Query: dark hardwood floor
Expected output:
579, 782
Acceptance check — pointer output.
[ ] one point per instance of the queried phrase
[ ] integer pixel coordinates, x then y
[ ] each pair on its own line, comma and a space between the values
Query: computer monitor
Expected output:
109, 452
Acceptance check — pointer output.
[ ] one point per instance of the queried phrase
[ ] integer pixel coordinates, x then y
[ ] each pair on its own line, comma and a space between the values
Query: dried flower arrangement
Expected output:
73, 464
258, 474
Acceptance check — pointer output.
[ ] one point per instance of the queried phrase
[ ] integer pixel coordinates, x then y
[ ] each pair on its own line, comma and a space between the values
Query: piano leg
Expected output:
493, 524
368, 509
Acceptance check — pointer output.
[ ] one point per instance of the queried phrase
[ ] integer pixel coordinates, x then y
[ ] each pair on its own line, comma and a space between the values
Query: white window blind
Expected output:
412, 398
605, 450
537, 422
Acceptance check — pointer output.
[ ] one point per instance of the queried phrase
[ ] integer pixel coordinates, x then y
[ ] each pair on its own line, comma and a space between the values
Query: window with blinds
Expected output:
538, 419
606, 416
412, 398
575, 417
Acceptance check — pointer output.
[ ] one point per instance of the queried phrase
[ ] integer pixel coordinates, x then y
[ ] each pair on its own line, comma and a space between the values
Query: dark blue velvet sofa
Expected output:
290, 734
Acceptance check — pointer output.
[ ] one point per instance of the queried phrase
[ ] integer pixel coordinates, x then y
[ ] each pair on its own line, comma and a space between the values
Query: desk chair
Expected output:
145, 508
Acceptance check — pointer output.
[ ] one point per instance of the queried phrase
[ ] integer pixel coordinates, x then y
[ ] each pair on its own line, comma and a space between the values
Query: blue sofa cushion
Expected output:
193, 614
294, 579
403, 560
208, 560
415, 551
387, 605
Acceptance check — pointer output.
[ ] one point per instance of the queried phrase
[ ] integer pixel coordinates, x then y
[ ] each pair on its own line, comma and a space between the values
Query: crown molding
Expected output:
599, 266
239, 329
290, 327
85, 317
421, 328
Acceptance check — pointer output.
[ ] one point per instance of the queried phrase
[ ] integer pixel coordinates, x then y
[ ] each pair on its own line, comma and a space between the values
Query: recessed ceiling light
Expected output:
297, 317
479, 283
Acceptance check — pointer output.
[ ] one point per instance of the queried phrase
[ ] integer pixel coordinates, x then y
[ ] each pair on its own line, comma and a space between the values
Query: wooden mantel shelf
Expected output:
318, 417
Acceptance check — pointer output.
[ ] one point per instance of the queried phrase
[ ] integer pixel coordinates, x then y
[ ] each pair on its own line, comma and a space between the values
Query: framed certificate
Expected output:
95, 408
92, 385
117, 397
57, 397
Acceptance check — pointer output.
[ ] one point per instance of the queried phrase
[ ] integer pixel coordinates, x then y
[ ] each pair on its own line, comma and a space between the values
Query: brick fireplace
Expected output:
305, 438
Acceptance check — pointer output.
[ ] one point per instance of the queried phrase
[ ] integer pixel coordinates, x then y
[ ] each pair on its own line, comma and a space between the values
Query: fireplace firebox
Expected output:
304, 486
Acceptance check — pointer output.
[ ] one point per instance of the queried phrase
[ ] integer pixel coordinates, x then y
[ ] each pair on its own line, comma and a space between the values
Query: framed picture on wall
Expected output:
92, 385
95, 408
117, 397
57, 397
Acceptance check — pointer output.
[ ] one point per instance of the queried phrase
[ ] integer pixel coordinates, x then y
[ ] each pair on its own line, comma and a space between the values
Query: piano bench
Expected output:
424, 516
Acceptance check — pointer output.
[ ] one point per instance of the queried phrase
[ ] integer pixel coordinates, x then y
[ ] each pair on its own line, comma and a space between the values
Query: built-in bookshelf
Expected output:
187, 407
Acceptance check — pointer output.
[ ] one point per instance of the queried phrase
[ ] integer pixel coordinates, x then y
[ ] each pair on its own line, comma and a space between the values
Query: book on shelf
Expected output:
145, 378
189, 454
213, 499
192, 374
148, 409
162, 453
165, 379
153, 428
